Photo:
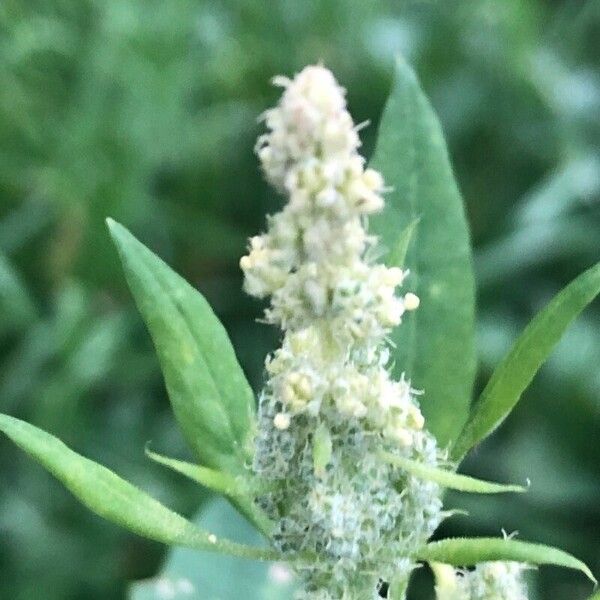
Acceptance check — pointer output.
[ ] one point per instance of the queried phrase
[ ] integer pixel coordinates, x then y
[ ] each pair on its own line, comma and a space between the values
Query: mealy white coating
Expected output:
358, 515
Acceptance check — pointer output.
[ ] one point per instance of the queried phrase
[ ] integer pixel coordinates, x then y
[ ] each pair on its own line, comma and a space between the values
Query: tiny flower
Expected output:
281, 421
415, 417
411, 301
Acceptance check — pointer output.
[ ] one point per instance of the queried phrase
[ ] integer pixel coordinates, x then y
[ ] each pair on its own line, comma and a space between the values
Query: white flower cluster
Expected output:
346, 504
488, 581
311, 259
307, 377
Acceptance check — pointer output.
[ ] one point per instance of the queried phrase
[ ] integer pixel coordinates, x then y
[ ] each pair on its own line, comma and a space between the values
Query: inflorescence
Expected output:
330, 406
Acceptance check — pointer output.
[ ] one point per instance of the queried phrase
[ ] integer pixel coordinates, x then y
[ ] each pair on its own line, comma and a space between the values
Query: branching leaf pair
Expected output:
211, 399
115, 499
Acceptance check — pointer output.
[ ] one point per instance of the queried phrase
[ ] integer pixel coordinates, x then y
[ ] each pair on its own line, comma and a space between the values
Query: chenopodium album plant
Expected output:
361, 424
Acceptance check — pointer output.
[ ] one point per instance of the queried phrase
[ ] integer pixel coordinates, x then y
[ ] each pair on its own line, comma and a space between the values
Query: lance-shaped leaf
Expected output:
396, 257
211, 398
222, 483
234, 487
519, 366
463, 552
449, 479
435, 344
115, 499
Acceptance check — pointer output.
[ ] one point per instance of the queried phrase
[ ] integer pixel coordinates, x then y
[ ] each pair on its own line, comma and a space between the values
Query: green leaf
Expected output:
211, 398
115, 499
192, 575
222, 483
396, 257
449, 479
321, 449
435, 344
519, 366
462, 552
235, 488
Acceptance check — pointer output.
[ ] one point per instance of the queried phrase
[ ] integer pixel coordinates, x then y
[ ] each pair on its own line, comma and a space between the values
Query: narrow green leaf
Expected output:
595, 596
519, 366
222, 483
397, 254
435, 344
462, 552
235, 488
115, 499
449, 479
211, 398
321, 449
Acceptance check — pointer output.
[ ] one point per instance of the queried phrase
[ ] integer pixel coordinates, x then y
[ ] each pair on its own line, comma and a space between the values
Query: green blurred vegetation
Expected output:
146, 111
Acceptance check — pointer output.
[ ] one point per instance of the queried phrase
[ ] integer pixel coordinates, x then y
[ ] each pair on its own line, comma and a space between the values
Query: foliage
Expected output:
516, 371
98, 118
436, 344
213, 403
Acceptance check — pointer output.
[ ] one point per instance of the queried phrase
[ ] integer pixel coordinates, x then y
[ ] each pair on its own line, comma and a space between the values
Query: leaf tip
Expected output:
400, 60
112, 226
590, 576
121, 237
403, 68
113, 229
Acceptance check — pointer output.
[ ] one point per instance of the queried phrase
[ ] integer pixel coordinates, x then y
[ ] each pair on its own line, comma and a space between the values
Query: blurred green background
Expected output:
146, 111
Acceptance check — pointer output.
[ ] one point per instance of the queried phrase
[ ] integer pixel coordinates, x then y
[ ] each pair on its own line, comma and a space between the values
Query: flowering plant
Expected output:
362, 422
